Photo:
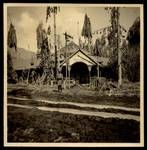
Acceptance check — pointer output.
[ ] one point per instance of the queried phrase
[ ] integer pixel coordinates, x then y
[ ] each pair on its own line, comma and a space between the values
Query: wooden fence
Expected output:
97, 82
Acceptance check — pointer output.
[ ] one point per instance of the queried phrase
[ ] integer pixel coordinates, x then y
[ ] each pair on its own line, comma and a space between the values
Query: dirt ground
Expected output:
41, 126
77, 94
38, 126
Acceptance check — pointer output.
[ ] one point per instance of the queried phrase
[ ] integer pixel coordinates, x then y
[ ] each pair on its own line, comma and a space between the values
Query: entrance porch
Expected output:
79, 67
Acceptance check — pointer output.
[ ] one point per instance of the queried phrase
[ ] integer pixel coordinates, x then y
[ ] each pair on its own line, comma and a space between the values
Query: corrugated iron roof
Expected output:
71, 48
23, 59
102, 60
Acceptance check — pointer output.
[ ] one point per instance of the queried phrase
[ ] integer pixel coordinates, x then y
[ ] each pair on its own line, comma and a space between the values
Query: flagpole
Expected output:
67, 36
58, 41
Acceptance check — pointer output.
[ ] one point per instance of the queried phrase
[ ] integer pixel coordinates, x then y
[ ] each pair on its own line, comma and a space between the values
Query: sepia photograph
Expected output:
73, 75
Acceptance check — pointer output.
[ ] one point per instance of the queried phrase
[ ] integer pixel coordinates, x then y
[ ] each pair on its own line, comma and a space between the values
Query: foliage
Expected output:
132, 64
101, 47
12, 42
45, 58
131, 56
39, 35
114, 39
12, 39
97, 47
12, 76
86, 30
134, 33
114, 34
10, 65
87, 34
53, 10
50, 10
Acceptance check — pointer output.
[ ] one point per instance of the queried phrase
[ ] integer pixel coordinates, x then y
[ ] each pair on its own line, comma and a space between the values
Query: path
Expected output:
80, 112
97, 106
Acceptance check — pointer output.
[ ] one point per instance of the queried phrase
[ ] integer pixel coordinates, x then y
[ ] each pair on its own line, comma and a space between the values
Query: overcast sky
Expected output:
26, 20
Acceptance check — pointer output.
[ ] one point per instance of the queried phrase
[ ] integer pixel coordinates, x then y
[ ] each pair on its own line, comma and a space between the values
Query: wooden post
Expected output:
89, 69
66, 59
69, 68
67, 36
98, 71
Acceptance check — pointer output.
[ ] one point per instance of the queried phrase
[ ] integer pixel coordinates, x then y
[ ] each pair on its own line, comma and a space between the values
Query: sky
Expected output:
70, 19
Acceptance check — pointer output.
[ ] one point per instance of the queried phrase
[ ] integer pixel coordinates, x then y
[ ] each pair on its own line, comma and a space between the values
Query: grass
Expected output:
74, 95
38, 126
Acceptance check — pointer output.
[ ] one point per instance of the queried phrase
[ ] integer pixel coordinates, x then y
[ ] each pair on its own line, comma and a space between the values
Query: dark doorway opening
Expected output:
79, 71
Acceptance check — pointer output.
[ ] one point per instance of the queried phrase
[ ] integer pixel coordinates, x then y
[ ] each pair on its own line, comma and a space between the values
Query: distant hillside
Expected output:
22, 58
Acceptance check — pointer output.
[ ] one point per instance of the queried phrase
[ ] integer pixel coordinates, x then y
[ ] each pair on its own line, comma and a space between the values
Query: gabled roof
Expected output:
91, 59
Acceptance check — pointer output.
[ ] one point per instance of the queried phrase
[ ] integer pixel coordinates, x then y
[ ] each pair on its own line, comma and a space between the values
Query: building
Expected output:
81, 65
